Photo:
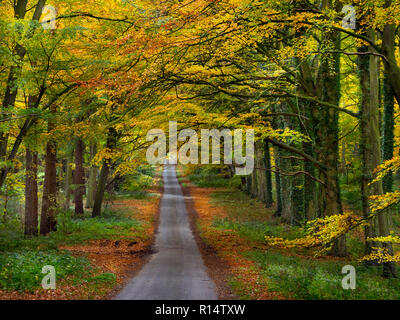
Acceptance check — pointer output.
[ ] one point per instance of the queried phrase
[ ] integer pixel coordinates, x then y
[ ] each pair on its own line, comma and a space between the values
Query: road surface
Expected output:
176, 271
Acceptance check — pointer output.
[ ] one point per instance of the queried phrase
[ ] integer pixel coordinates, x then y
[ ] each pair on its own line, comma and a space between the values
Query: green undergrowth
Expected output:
22, 270
211, 177
296, 276
303, 278
22, 259
73, 229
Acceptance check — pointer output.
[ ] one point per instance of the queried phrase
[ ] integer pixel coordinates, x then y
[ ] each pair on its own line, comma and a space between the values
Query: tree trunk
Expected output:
327, 122
49, 200
388, 100
248, 185
31, 187
259, 172
307, 126
268, 176
291, 181
278, 187
101, 187
388, 132
68, 182
310, 188
91, 192
79, 177
392, 69
286, 187
298, 199
371, 150
31, 194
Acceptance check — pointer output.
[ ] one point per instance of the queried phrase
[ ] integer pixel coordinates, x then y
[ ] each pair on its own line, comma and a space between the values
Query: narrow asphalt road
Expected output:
176, 271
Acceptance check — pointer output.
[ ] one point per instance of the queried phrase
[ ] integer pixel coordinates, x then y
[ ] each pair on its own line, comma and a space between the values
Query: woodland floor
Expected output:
231, 228
113, 260
222, 250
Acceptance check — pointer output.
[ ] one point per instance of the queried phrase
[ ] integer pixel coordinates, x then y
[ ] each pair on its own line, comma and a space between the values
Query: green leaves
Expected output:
22, 271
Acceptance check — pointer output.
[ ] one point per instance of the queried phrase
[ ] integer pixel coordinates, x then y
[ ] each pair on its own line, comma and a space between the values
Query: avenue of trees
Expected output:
77, 101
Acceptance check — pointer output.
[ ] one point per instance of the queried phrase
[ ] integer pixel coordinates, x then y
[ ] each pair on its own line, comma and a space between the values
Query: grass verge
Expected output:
235, 226
91, 256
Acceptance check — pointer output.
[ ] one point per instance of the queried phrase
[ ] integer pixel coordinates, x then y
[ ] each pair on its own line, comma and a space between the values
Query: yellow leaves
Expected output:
392, 165
391, 238
236, 3
304, 46
105, 154
381, 255
199, 72
302, 20
307, 242
320, 233
381, 202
